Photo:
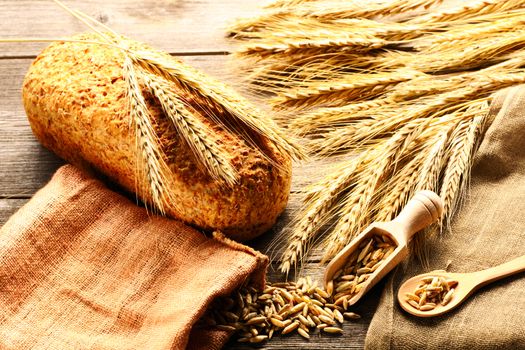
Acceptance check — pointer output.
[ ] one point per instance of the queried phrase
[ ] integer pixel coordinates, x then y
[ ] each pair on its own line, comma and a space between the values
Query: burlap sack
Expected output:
487, 231
82, 267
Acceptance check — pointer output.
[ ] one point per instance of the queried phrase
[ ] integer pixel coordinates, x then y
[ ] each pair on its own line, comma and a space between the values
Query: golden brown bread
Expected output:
75, 98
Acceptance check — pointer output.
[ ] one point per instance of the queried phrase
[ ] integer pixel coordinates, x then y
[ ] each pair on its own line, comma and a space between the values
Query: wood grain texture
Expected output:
182, 26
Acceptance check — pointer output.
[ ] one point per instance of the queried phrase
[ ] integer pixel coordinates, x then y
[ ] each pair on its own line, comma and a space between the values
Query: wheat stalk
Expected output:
199, 137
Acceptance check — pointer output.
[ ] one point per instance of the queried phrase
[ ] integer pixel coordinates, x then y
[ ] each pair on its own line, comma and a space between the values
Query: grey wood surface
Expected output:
190, 28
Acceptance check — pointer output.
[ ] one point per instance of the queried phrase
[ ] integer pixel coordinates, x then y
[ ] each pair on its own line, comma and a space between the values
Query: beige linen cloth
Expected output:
488, 230
82, 267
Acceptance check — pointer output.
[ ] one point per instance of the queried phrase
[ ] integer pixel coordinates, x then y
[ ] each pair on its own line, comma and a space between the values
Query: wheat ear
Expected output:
461, 150
330, 10
310, 46
338, 92
398, 189
197, 135
353, 213
287, 3
325, 119
473, 9
316, 212
476, 31
220, 97
150, 153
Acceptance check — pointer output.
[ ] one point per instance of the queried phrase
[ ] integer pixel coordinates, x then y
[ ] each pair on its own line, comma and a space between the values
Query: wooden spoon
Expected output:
421, 211
468, 283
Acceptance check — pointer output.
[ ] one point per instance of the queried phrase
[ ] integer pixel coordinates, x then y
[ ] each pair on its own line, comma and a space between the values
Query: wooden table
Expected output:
190, 28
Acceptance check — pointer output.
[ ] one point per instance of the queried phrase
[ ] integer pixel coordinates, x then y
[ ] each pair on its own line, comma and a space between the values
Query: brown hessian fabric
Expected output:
82, 267
489, 229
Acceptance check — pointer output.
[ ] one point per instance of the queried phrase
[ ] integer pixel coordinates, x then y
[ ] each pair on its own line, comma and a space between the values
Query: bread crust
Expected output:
75, 98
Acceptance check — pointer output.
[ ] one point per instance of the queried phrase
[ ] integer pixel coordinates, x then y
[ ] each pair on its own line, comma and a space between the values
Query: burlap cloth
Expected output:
488, 230
82, 267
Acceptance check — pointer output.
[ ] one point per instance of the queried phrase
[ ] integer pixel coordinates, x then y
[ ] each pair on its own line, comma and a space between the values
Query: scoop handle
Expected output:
422, 210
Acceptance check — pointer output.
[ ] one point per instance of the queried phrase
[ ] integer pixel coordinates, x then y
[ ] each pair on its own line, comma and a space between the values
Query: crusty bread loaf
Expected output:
75, 98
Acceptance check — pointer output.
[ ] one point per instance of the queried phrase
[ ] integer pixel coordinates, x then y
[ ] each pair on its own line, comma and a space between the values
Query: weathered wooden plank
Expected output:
182, 26
25, 166
9, 206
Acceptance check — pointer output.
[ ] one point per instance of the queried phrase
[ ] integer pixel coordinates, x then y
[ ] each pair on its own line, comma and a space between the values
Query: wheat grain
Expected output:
285, 307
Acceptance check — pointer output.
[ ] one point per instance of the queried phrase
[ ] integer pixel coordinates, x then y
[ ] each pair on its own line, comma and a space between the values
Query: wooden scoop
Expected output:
421, 211
468, 283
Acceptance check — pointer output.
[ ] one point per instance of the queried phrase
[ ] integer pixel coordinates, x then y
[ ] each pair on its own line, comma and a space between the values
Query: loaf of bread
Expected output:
75, 98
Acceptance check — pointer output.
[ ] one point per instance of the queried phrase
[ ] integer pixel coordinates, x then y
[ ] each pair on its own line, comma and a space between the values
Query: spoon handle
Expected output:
497, 272
421, 211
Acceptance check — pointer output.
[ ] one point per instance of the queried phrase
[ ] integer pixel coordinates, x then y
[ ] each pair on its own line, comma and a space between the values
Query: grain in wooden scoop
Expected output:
362, 264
